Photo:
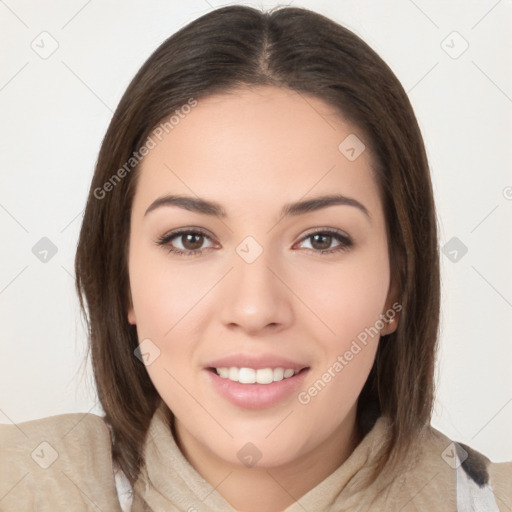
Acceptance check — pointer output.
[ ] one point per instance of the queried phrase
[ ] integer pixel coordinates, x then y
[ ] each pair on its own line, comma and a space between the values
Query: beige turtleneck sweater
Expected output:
64, 463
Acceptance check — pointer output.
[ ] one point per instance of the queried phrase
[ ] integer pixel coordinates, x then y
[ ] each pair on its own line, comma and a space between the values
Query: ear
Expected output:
391, 314
131, 316
131, 311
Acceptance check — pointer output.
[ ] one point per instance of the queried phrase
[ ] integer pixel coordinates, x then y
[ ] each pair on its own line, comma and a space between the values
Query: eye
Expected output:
321, 241
191, 241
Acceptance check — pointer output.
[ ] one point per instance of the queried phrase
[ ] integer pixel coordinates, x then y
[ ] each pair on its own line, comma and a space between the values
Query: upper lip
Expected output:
256, 362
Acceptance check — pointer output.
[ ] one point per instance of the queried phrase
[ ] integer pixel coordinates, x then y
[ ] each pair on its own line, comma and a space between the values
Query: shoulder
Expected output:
455, 474
477, 475
64, 461
501, 481
60, 426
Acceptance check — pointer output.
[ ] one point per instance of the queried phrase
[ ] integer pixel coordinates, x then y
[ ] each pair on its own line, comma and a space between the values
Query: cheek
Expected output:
351, 309
164, 302
348, 297
332, 393
169, 311
164, 295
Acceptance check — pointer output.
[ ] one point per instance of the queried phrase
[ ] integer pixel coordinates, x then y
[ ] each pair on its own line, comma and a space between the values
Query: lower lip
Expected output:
256, 396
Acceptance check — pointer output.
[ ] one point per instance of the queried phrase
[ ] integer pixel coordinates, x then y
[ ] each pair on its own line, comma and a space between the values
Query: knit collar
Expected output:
168, 482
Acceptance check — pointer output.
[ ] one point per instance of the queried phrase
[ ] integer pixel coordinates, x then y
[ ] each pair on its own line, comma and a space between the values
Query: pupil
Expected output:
327, 238
191, 245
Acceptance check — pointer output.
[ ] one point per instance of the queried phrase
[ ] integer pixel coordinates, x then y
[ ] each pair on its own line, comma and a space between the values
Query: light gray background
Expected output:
54, 112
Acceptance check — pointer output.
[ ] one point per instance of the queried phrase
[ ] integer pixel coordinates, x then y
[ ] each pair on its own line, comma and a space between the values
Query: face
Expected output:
258, 315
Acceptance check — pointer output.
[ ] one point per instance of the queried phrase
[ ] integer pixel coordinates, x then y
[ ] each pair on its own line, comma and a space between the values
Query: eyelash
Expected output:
164, 241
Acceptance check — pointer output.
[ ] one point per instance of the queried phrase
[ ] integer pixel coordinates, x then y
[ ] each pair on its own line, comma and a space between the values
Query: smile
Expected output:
251, 388
255, 376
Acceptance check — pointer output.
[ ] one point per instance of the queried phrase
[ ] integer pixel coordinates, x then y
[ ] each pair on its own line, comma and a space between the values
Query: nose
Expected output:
254, 296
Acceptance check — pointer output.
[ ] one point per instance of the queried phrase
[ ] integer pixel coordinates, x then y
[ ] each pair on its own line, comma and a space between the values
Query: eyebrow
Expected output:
198, 205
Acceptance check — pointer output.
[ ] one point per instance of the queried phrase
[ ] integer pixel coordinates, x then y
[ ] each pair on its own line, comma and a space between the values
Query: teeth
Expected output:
233, 374
278, 374
252, 376
246, 376
223, 372
263, 375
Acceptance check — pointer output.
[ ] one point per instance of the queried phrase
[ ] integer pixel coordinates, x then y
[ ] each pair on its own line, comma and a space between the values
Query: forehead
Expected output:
259, 143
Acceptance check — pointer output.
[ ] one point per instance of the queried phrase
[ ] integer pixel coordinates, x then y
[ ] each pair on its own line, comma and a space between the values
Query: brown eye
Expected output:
192, 241
321, 241
186, 242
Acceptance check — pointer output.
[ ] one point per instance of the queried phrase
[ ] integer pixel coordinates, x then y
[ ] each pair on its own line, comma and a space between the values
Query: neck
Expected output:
270, 489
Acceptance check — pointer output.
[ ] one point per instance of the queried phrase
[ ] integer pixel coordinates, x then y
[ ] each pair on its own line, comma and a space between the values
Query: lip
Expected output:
256, 362
255, 396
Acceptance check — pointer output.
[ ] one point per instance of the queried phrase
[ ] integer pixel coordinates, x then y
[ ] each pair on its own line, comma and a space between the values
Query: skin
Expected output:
252, 151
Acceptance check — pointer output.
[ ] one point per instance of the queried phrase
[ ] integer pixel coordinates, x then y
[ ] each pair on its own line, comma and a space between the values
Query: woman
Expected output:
258, 264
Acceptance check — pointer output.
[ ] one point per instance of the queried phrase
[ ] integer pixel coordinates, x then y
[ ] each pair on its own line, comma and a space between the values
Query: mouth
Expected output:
255, 382
246, 375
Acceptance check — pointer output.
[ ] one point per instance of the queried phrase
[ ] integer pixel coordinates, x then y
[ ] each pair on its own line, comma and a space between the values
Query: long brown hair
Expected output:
304, 51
